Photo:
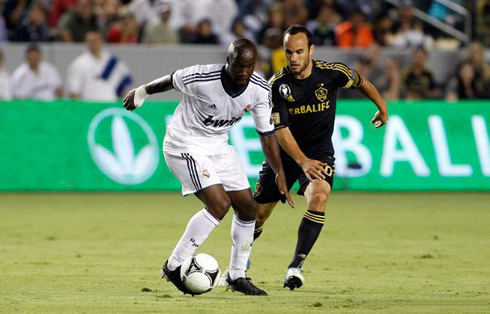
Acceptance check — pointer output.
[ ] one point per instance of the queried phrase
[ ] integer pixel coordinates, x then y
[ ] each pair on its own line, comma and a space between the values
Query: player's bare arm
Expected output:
271, 152
312, 168
136, 97
368, 89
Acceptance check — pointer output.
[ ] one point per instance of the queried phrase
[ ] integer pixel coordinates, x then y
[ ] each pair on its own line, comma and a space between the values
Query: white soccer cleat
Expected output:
294, 278
222, 280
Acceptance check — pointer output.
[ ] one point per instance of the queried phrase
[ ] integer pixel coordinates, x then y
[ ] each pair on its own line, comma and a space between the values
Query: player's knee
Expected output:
318, 202
219, 208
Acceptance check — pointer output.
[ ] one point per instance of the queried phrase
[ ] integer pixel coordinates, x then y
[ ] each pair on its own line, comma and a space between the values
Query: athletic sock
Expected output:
257, 232
309, 230
242, 239
197, 231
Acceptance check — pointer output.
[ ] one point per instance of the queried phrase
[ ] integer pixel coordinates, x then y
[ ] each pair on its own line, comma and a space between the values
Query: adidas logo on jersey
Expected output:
220, 123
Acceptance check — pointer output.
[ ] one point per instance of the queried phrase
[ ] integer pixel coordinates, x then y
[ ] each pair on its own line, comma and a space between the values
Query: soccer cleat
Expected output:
174, 277
245, 286
294, 278
223, 282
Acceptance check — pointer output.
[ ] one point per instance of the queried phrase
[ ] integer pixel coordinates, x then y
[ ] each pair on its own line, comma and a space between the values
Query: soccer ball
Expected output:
200, 273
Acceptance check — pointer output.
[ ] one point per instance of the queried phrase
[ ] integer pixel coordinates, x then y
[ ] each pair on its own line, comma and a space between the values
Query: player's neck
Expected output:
306, 72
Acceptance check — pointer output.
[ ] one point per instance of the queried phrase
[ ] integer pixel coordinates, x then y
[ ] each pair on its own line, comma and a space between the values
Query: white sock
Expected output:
197, 231
242, 235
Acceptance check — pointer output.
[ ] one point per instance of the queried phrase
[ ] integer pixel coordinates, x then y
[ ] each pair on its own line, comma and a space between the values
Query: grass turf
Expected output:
388, 253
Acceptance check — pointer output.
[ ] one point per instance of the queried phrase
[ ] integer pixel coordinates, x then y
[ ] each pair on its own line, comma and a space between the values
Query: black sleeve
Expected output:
346, 77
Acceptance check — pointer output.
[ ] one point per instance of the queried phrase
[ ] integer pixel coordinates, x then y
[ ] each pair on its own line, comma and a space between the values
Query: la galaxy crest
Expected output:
285, 92
321, 93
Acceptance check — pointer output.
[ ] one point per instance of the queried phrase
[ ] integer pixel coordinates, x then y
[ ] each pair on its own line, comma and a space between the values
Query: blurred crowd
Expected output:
366, 25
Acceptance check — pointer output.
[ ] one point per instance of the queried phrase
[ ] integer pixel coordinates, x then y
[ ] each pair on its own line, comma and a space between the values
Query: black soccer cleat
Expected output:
245, 286
174, 277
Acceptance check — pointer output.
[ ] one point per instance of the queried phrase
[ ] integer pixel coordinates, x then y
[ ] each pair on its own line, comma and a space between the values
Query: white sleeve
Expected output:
17, 90
55, 77
75, 78
261, 114
183, 79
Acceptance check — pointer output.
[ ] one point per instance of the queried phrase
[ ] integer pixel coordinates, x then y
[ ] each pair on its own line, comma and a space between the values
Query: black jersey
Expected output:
308, 106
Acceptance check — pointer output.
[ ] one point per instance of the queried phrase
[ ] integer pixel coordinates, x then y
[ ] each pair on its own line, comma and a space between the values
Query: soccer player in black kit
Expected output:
304, 102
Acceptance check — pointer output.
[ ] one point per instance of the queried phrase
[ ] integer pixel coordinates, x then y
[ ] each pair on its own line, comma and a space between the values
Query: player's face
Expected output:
298, 54
242, 66
33, 58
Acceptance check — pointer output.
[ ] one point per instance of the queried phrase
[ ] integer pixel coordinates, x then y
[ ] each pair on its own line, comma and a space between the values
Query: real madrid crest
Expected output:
284, 91
321, 93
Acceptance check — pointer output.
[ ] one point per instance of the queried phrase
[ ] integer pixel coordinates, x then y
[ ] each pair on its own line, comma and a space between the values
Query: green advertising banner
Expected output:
77, 146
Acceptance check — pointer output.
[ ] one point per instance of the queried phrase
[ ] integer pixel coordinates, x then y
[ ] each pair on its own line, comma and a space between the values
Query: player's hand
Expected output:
314, 169
380, 119
283, 188
129, 100
135, 98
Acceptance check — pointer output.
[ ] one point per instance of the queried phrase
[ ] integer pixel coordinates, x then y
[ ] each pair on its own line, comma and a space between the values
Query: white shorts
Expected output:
197, 171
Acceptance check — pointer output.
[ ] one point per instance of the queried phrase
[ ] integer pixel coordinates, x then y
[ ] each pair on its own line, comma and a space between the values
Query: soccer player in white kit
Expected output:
196, 150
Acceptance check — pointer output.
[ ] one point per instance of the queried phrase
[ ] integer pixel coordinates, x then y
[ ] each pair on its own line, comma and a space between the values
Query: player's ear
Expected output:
312, 50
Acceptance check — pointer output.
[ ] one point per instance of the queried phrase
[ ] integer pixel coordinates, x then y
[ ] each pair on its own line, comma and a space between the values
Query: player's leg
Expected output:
189, 170
266, 193
311, 225
236, 184
263, 213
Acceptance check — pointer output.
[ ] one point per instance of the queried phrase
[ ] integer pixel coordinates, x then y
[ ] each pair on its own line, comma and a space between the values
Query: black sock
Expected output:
309, 230
257, 232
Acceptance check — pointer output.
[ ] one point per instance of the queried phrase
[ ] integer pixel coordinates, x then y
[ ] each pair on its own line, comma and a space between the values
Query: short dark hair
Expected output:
297, 29
33, 47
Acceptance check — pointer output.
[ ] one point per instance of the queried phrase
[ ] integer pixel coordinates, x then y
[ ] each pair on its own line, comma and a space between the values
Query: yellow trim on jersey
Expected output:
337, 67
278, 75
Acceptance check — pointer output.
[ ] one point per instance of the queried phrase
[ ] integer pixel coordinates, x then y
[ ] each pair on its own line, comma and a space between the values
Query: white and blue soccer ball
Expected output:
200, 273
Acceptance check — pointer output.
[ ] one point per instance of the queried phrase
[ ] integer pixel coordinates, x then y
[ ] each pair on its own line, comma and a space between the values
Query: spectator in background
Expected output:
33, 27
107, 13
483, 21
13, 13
126, 31
220, 13
323, 27
273, 41
5, 84
238, 30
58, 7
36, 79
389, 83
418, 80
75, 24
382, 31
183, 19
355, 32
144, 10
96, 75
253, 13
205, 35
476, 57
3, 27
407, 31
295, 12
369, 64
464, 85
276, 19
158, 30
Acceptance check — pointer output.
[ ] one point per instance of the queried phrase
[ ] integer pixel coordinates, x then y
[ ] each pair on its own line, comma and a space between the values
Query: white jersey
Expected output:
102, 79
26, 84
208, 110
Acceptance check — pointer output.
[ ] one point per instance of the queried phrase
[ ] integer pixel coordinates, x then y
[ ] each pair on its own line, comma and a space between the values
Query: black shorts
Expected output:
266, 189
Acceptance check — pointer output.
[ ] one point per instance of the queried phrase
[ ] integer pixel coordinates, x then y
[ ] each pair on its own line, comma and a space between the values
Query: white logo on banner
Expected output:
122, 164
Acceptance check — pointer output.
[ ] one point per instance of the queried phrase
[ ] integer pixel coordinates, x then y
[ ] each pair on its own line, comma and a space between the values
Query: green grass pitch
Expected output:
383, 253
